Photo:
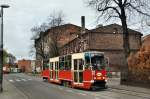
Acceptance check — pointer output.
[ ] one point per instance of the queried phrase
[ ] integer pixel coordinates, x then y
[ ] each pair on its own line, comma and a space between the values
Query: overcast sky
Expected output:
24, 14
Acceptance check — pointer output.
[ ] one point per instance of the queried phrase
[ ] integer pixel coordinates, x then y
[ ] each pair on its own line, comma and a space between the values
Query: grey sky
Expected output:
24, 14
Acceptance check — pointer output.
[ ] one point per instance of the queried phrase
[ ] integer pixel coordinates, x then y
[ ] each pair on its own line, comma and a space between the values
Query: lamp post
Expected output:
1, 47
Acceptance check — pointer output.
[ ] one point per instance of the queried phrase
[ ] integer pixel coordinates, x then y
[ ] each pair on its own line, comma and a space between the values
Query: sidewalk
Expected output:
133, 89
115, 83
11, 92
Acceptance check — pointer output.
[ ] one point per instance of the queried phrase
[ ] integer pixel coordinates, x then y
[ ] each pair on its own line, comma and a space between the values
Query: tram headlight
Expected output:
92, 81
99, 74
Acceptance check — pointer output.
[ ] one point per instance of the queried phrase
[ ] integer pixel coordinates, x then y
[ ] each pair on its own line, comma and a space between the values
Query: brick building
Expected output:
107, 39
25, 65
62, 34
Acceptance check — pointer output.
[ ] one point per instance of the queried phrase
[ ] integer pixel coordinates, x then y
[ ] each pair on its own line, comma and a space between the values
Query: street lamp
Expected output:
1, 47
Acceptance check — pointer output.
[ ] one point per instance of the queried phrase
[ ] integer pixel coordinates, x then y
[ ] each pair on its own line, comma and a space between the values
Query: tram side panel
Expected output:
87, 78
46, 74
65, 75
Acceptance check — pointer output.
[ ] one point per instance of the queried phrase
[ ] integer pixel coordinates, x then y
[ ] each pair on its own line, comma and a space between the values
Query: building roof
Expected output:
146, 40
146, 37
65, 26
112, 28
24, 60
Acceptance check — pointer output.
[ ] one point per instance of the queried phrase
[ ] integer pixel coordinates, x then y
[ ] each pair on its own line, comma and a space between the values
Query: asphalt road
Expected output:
35, 88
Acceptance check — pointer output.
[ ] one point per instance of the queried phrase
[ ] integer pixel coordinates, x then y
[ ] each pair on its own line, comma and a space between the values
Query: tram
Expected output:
85, 70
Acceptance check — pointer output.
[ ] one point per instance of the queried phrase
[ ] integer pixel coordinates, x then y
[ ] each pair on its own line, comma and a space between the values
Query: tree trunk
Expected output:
126, 47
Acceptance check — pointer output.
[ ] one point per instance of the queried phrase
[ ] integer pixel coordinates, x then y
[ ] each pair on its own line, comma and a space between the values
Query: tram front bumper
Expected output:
99, 84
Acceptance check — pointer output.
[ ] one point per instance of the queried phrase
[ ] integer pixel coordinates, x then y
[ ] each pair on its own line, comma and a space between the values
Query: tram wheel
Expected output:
66, 83
45, 79
63, 83
93, 88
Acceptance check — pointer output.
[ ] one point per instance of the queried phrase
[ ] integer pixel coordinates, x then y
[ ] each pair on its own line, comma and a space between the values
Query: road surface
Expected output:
35, 88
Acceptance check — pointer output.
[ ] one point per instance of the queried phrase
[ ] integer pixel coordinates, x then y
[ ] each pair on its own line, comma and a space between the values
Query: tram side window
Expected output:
61, 66
61, 63
56, 65
66, 65
51, 65
81, 62
75, 64
87, 62
68, 62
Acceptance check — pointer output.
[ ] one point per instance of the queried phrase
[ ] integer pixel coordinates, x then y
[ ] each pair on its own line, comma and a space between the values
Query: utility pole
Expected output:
1, 47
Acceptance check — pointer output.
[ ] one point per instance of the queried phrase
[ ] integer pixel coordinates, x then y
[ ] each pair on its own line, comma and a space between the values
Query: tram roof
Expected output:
54, 59
75, 54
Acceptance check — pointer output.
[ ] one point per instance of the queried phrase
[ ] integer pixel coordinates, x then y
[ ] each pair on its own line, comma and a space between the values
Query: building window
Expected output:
115, 30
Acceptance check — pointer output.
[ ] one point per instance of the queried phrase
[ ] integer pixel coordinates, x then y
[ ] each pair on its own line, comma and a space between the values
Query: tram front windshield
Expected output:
98, 62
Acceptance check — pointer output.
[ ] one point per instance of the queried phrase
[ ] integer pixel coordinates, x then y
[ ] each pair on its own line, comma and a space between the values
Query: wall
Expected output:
109, 43
112, 45
25, 65
62, 34
113, 41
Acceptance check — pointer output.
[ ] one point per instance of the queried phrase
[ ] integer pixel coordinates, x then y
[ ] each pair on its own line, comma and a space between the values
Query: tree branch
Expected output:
110, 16
125, 1
116, 2
106, 8
139, 11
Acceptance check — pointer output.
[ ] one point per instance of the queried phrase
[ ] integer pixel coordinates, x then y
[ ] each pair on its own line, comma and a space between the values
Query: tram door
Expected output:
51, 70
78, 70
56, 70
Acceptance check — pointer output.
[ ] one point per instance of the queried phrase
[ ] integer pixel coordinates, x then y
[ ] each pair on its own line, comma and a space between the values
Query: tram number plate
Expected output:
99, 77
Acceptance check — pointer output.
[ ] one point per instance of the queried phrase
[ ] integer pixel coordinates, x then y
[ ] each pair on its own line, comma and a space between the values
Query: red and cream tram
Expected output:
82, 70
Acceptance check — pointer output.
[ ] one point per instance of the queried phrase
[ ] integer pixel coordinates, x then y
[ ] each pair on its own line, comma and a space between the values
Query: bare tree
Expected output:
36, 30
122, 9
56, 20
41, 42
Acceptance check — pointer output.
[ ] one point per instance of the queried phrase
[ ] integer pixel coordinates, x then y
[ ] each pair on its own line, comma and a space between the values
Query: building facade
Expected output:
25, 65
107, 39
61, 34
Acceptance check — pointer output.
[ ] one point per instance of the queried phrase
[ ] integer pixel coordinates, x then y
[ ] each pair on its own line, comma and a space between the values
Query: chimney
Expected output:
82, 24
